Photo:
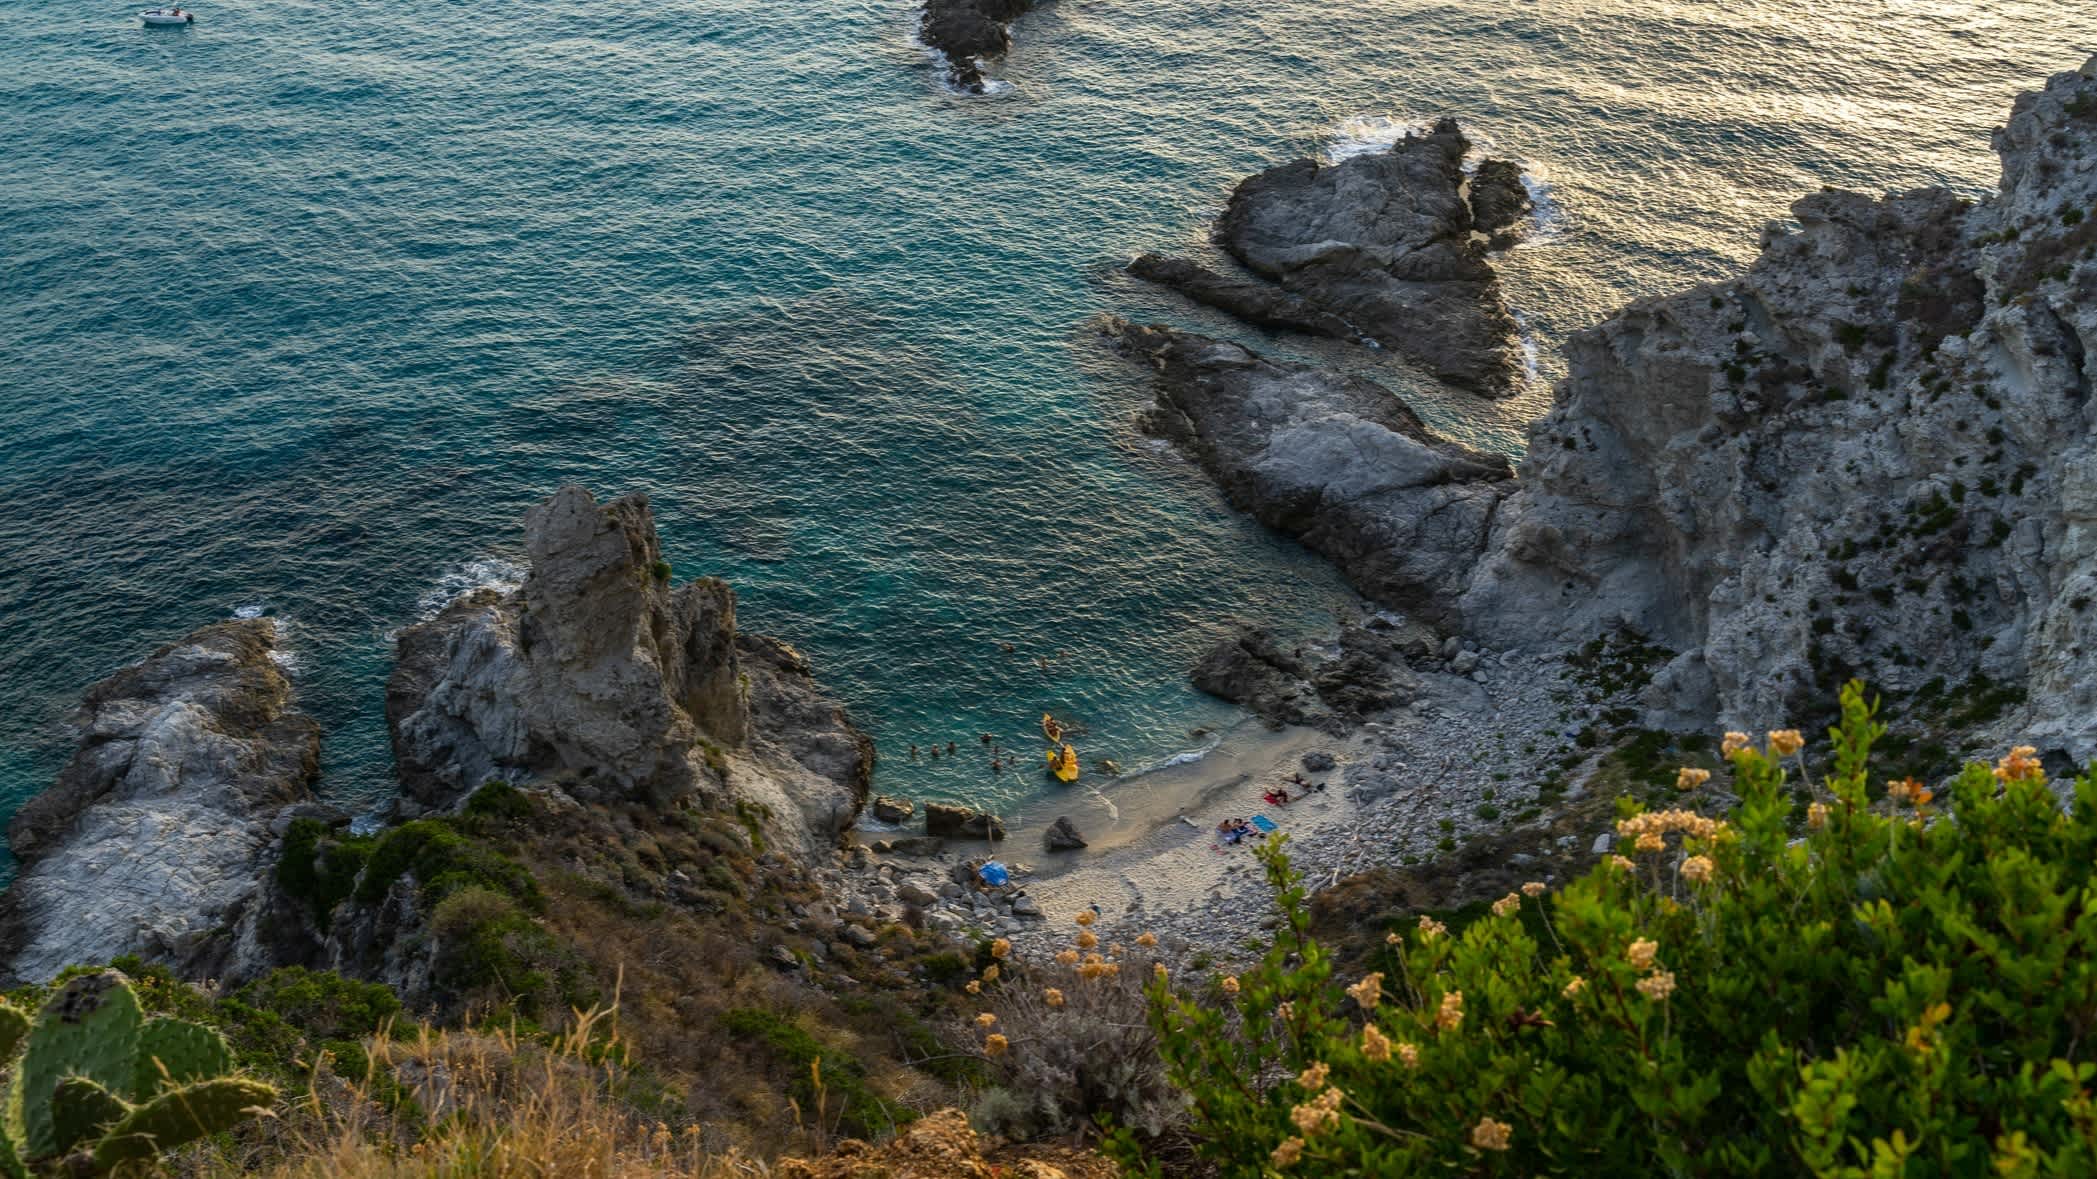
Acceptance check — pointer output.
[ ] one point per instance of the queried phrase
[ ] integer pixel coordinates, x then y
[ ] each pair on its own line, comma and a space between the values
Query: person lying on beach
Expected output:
1277, 797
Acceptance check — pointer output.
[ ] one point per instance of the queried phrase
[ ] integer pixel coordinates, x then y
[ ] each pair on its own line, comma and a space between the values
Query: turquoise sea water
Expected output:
303, 305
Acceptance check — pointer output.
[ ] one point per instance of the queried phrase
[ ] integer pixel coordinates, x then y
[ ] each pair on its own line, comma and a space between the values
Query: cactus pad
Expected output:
175, 1051
81, 1110
88, 1029
14, 1025
179, 1115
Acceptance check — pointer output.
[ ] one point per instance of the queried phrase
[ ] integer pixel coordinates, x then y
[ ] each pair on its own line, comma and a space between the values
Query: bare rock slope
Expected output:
155, 838
1336, 461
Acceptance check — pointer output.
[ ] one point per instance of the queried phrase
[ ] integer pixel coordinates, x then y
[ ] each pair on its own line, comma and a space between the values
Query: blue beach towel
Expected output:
994, 874
1264, 823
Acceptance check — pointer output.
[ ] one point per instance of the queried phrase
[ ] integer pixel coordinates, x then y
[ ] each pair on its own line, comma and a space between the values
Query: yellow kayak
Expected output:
1064, 764
1050, 729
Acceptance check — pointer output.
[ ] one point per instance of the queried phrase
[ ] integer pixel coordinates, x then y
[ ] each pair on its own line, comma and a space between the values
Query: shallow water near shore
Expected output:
299, 315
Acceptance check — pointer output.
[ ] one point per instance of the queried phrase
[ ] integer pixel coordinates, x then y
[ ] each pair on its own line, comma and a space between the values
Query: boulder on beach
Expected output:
1062, 835
893, 810
959, 822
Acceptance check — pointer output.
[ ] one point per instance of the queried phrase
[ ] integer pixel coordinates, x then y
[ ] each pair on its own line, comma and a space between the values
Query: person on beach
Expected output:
1279, 796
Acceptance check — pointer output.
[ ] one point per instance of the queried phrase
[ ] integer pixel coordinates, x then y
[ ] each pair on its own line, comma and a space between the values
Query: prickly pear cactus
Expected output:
88, 1029
173, 1051
81, 1110
103, 1085
181, 1114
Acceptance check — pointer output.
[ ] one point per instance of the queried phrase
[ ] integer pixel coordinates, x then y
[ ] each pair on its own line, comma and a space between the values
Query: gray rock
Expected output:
860, 935
160, 836
1259, 303
967, 33
892, 810
1383, 241
783, 958
1335, 461
1318, 761
599, 669
1869, 452
1499, 201
913, 893
955, 822
1465, 663
1025, 906
1062, 835
1602, 844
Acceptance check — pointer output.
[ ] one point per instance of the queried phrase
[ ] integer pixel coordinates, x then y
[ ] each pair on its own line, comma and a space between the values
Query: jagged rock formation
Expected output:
969, 33
598, 672
156, 835
1336, 461
956, 822
1382, 246
1870, 453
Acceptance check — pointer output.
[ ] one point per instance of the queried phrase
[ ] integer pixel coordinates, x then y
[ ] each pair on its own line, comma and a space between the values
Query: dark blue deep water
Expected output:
303, 305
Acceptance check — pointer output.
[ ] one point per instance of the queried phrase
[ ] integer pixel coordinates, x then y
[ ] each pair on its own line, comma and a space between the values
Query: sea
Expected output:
304, 304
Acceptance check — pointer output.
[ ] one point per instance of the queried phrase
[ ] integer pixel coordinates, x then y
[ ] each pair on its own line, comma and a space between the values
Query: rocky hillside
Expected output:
1871, 453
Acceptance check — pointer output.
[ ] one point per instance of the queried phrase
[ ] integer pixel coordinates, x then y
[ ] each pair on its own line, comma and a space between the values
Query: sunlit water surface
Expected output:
299, 312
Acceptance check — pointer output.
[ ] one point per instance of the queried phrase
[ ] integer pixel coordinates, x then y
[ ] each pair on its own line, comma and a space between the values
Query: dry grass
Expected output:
494, 1105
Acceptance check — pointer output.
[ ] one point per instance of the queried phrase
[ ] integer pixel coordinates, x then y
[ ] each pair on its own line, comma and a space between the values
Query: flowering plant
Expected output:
1890, 989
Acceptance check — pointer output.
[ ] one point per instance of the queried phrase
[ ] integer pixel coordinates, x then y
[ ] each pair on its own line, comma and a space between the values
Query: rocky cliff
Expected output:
1871, 453
156, 837
601, 674
1387, 246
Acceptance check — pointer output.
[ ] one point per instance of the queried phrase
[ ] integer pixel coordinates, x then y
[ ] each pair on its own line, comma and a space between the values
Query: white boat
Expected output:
161, 18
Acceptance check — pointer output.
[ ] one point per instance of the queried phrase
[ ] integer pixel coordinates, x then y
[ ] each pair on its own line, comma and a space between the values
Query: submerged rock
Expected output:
158, 836
1338, 462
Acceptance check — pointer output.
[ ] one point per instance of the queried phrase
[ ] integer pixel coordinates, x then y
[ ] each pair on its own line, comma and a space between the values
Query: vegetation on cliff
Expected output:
1888, 983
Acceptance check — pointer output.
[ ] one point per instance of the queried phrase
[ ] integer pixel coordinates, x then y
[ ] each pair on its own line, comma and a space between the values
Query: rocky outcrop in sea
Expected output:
157, 837
969, 33
599, 672
1386, 246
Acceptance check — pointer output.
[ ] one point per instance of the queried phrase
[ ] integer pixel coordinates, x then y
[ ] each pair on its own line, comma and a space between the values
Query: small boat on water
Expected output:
167, 18
1063, 764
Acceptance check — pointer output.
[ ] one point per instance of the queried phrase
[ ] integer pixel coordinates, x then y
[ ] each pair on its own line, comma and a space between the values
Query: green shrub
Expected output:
319, 867
498, 801
1897, 991
828, 1085
487, 943
443, 861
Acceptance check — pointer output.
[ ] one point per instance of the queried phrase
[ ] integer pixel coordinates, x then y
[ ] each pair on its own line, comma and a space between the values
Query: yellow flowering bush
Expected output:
1901, 987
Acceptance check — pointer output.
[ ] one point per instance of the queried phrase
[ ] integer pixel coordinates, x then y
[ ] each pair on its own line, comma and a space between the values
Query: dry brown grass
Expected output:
494, 1105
